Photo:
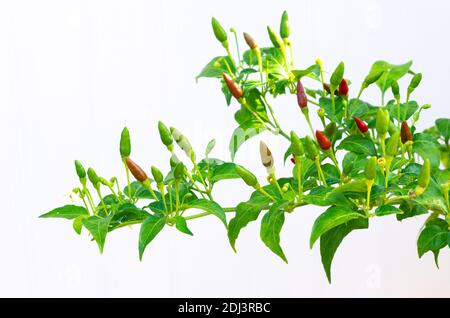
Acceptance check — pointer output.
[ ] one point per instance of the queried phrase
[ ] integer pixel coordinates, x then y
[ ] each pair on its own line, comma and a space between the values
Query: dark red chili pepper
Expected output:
362, 126
293, 160
234, 88
405, 132
343, 88
136, 171
301, 95
323, 141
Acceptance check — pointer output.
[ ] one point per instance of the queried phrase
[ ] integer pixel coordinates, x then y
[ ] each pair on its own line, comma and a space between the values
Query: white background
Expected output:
73, 73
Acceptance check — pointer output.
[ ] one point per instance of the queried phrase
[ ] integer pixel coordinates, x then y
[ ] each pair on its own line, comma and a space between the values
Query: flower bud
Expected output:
137, 172
371, 168
250, 41
296, 145
362, 126
321, 112
392, 145
311, 148
285, 187
405, 132
218, 30
381, 162
80, 170
274, 38
302, 99
343, 88
248, 177
233, 87
323, 141
125, 144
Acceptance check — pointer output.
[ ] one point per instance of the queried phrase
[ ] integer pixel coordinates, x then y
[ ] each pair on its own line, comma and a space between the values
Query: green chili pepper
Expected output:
337, 75
284, 26
80, 170
178, 171
395, 90
415, 81
248, 177
274, 38
182, 141
157, 175
392, 145
382, 121
125, 144
165, 135
424, 176
371, 168
296, 145
311, 148
93, 177
372, 78
330, 130
219, 31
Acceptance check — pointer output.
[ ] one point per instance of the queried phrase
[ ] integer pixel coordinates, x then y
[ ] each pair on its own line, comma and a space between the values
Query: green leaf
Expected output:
433, 237
224, 171
209, 206
127, 213
358, 144
443, 125
271, 225
386, 210
243, 133
433, 197
137, 191
181, 225
327, 105
216, 67
332, 217
357, 107
410, 209
149, 229
98, 227
66, 212
393, 110
426, 146
391, 73
78, 224
246, 212
312, 71
210, 147
330, 241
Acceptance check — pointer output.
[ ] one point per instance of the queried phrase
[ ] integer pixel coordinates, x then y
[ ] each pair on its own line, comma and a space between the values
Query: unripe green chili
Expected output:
274, 38
395, 90
182, 141
415, 81
125, 144
382, 121
369, 80
371, 168
178, 171
311, 148
337, 75
157, 175
93, 177
424, 177
392, 145
165, 135
80, 170
248, 177
219, 31
284, 26
296, 145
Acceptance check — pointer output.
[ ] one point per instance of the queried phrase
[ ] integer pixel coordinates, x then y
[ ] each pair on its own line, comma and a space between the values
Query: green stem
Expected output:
298, 167
266, 194
313, 102
196, 216
333, 103
398, 113
89, 197
386, 171
127, 172
319, 171
383, 144
369, 189
237, 46
275, 181
333, 158
101, 199
406, 106
271, 112
177, 198
148, 186
169, 190
227, 48
306, 113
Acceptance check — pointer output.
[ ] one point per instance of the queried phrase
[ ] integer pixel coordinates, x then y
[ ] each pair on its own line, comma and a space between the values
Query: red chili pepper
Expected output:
323, 141
301, 95
343, 88
233, 87
293, 160
362, 126
405, 132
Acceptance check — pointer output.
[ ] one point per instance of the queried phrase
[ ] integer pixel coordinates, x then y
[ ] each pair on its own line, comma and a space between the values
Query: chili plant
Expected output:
365, 161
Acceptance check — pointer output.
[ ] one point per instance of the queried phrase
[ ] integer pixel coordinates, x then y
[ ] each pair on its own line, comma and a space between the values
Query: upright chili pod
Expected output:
93, 177
157, 175
137, 172
274, 38
392, 145
125, 143
337, 75
251, 42
178, 171
311, 148
165, 135
302, 99
296, 145
80, 170
371, 168
405, 132
415, 81
323, 141
284, 26
248, 177
219, 31
362, 126
372, 78
182, 141
343, 88
233, 87
382, 121
266, 156
395, 90
424, 177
